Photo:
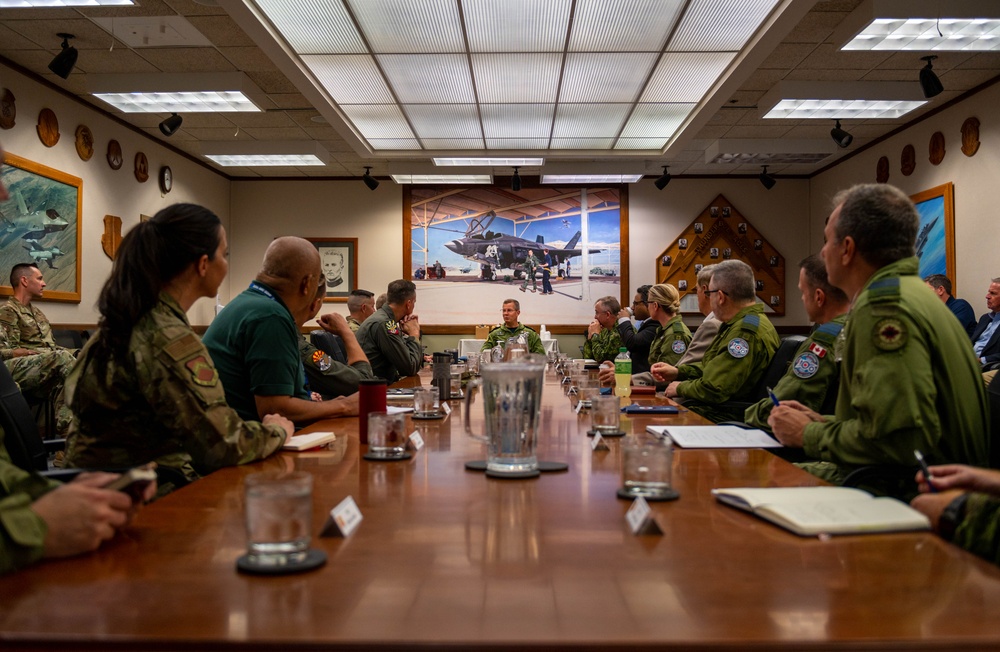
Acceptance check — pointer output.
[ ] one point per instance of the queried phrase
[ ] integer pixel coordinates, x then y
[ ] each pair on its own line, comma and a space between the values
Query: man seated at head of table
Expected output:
963, 507
144, 387
511, 327
908, 377
328, 377
603, 341
391, 337
814, 373
736, 358
254, 341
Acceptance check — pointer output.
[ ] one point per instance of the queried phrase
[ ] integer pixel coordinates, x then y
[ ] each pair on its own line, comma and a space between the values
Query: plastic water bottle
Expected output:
623, 373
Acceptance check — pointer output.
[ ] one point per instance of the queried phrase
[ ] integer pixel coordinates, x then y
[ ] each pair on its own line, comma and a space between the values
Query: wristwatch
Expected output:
952, 517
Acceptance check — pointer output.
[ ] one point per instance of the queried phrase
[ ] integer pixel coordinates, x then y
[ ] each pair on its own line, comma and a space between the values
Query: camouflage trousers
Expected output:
41, 377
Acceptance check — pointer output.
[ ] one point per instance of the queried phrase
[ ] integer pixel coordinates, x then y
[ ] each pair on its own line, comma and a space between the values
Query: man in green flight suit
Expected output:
908, 379
736, 358
511, 327
530, 265
391, 337
328, 377
603, 339
812, 377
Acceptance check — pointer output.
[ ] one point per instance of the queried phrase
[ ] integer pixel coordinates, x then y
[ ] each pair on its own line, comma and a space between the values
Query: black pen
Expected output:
926, 469
774, 399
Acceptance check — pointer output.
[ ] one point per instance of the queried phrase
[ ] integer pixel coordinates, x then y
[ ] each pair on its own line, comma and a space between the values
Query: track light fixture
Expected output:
515, 181
662, 182
170, 125
64, 62
929, 82
766, 179
369, 180
841, 137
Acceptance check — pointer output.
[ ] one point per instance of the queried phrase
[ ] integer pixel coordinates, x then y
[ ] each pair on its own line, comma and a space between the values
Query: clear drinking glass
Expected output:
278, 517
647, 466
605, 414
426, 401
386, 434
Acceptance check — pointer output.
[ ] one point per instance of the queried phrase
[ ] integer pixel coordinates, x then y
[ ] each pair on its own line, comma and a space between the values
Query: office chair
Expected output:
775, 370
25, 446
329, 343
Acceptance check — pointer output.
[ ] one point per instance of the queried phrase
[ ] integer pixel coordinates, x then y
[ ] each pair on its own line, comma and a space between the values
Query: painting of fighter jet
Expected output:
39, 224
935, 243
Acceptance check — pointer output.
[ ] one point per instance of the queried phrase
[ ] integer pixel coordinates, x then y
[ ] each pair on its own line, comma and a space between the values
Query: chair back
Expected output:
329, 343
778, 366
68, 338
993, 397
21, 432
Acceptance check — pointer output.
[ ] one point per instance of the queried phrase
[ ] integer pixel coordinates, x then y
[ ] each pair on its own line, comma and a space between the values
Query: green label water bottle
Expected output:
623, 373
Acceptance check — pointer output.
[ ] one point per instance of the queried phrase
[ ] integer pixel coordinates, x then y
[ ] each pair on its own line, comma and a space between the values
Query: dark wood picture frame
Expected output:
936, 235
339, 286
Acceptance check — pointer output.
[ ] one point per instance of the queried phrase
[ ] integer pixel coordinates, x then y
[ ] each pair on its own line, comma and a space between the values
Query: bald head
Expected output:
289, 259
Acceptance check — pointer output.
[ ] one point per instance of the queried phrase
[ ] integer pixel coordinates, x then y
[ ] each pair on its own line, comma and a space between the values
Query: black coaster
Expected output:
313, 559
552, 467
670, 494
386, 458
620, 433
546, 467
521, 475
427, 417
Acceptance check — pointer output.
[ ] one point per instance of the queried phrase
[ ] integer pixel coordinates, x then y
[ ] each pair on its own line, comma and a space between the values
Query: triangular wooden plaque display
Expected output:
719, 233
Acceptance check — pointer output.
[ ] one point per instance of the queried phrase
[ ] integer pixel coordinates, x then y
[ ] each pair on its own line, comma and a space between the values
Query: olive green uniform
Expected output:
811, 377
164, 404
671, 342
22, 531
502, 333
733, 363
530, 265
353, 324
329, 377
908, 381
391, 352
979, 530
604, 345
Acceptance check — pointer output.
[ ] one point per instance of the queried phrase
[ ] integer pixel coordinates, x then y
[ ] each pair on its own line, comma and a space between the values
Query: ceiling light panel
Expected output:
491, 162
605, 77
315, 27
641, 143
517, 143
443, 78
517, 120
719, 25
981, 34
622, 25
686, 76
257, 160
350, 78
452, 143
444, 120
201, 102
516, 25
589, 120
842, 109
582, 143
22, 4
392, 144
656, 120
410, 25
504, 78
591, 178
378, 120
442, 178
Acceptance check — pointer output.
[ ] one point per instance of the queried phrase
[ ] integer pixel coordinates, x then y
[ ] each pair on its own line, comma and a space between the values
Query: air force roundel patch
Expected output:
738, 347
806, 365
678, 346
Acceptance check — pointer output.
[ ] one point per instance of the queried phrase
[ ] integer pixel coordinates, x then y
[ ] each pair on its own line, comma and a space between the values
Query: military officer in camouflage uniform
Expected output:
736, 358
391, 337
908, 379
812, 377
530, 265
672, 336
324, 375
39, 366
511, 327
603, 340
360, 305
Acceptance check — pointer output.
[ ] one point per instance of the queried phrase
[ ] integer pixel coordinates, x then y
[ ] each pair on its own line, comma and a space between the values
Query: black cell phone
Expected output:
133, 482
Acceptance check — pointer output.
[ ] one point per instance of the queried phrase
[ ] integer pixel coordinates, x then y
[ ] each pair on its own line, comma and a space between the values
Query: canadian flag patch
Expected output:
817, 349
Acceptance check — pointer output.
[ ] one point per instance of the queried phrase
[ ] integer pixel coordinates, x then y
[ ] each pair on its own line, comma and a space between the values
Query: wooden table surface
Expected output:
449, 558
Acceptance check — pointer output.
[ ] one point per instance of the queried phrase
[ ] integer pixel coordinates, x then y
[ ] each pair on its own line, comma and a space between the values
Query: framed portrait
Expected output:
42, 225
698, 227
339, 258
936, 234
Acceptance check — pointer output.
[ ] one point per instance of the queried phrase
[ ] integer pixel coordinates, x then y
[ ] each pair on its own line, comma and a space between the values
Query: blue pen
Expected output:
926, 469
774, 399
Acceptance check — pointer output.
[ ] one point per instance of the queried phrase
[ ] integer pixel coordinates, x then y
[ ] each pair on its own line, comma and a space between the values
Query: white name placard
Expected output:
416, 440
640, 518
344, 519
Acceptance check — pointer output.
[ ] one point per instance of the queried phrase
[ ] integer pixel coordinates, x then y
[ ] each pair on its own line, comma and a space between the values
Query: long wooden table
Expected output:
449, 558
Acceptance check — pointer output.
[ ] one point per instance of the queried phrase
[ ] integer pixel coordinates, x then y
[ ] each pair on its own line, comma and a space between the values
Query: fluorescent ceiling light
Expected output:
271, 160
768, 151
18, 4
443, 178
591, 178
841, 100
491, 162
252, 153
972, 25
177, 92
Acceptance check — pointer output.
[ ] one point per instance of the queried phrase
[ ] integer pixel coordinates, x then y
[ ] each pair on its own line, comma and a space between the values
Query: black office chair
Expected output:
775, 370
68, 338
25, 446
329, 343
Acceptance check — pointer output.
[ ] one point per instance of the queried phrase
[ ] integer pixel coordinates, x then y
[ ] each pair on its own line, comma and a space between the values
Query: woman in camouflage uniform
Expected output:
672, 337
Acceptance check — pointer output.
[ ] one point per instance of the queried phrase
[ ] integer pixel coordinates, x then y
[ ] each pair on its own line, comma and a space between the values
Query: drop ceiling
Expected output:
551, 78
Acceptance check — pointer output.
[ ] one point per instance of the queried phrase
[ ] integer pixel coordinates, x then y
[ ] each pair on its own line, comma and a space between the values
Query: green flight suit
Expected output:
733, 363
810, 378
530, 265
908, 381
670, 343
502, 333
604, 345
329, 377
22, 531
979, 530
392, 353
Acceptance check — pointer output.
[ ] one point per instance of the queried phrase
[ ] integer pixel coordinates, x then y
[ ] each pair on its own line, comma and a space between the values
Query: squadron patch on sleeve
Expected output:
806, 365
202, 371
392, 327
322, 360
678, 346
889, 334
738, 347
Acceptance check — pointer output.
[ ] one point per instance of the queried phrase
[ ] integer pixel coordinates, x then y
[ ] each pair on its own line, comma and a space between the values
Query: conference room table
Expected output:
446, 558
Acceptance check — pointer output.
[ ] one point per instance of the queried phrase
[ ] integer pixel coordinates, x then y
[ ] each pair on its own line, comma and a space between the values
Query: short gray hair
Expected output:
705, 275
882, 221
735, 278
610, 304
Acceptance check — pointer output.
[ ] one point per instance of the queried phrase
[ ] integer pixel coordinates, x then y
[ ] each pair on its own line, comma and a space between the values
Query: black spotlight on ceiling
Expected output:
766, 179
929, 82
515, 181
662, 182
64, 62
170, 126
369, 180
841, 137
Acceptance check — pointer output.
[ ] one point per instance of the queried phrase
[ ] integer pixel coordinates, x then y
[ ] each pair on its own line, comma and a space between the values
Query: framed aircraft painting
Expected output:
936, 235
40, 223
471, 248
